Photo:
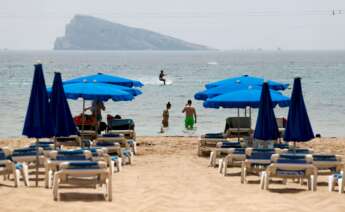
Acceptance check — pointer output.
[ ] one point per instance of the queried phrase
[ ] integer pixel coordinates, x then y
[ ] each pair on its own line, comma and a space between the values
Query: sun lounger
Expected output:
291, 166
209, 141
8, 167
233, 159
328, 162
125, 150
73, 140
257, 160
101, 154
55, 158
84, 174
125, 127
222, 149
28, 155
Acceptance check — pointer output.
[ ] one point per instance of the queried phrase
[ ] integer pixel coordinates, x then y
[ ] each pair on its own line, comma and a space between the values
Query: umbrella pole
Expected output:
37, 161
82, 123
238, 126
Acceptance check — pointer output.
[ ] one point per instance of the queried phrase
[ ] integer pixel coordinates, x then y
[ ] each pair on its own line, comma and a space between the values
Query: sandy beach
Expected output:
167, 175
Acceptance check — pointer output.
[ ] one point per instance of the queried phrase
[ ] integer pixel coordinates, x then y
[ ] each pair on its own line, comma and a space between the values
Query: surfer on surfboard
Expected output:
161, 77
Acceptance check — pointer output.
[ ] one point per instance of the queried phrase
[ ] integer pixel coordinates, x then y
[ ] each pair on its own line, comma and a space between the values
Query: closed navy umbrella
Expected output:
266, 124
63, 123
298, 127
38, 121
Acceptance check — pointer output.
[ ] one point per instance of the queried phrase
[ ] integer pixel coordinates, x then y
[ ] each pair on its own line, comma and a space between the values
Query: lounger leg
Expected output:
25, 174
262, 179
341, 185
210, 161
220, 166
134, 147
110, 192
267, 181
284, 181
225, 166
243, 173
331, 183
56, 186
16, 175
119, 164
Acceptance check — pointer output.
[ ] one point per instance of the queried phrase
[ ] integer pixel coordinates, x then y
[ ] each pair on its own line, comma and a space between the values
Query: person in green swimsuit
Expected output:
190, 112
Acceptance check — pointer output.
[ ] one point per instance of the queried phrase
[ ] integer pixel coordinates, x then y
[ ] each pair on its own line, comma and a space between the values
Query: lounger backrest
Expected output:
281, 146
227, 144
83, 165
5, 151
107, 144
281, 122
237, 122
324, 157
79, 154
214, 135
121, 124
300, 151
26, 152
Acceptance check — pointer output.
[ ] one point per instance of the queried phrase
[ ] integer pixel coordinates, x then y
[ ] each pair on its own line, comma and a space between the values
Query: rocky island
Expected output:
90, 33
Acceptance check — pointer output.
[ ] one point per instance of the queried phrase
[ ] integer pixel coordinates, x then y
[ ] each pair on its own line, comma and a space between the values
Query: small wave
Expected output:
154, 81
212, 63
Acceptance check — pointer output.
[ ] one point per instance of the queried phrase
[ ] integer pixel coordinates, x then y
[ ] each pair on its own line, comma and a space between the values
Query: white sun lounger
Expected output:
290, 169
8, 167
222, 149
84, 174
55, 158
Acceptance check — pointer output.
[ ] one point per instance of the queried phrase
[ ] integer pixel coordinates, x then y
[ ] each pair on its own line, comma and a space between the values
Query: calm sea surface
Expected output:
322, 72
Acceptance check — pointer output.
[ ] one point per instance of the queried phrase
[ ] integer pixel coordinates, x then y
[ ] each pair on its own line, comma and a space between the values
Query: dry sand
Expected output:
167, 175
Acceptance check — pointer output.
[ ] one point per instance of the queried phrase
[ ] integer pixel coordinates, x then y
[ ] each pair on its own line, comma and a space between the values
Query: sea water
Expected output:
322, 72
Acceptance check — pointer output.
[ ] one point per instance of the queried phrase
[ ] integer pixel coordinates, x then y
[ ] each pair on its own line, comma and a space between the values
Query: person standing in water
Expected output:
165, 120
190, 112
161, 77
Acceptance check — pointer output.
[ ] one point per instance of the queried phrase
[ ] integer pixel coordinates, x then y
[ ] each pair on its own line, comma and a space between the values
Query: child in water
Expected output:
165, 121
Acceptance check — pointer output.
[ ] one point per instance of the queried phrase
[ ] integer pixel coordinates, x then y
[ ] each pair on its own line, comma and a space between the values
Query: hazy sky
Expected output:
222, 24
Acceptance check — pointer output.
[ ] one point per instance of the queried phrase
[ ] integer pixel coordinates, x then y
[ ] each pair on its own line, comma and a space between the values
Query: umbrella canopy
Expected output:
105, 78
266, 124
95, 91
60, 112
248, 80
216, 91
38, 122
298, 125
249, 97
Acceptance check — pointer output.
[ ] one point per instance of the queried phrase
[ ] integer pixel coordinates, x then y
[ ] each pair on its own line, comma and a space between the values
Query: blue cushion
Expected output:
299, 151
281, 146
261, 155
71, 152
131, 142
337, 176
3, 156
111, 135
214, 135
292, 156
292, 161
27, 149
324, 157
240, 151
263, 150
83, 165
70, 157
26, 153
127, 153
114, 157
290, 173
19, 166
230, 145
105, 144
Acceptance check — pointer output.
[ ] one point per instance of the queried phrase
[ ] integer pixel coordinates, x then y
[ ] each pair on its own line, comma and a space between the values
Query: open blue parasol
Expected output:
105, 78
249, 97
248, 80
